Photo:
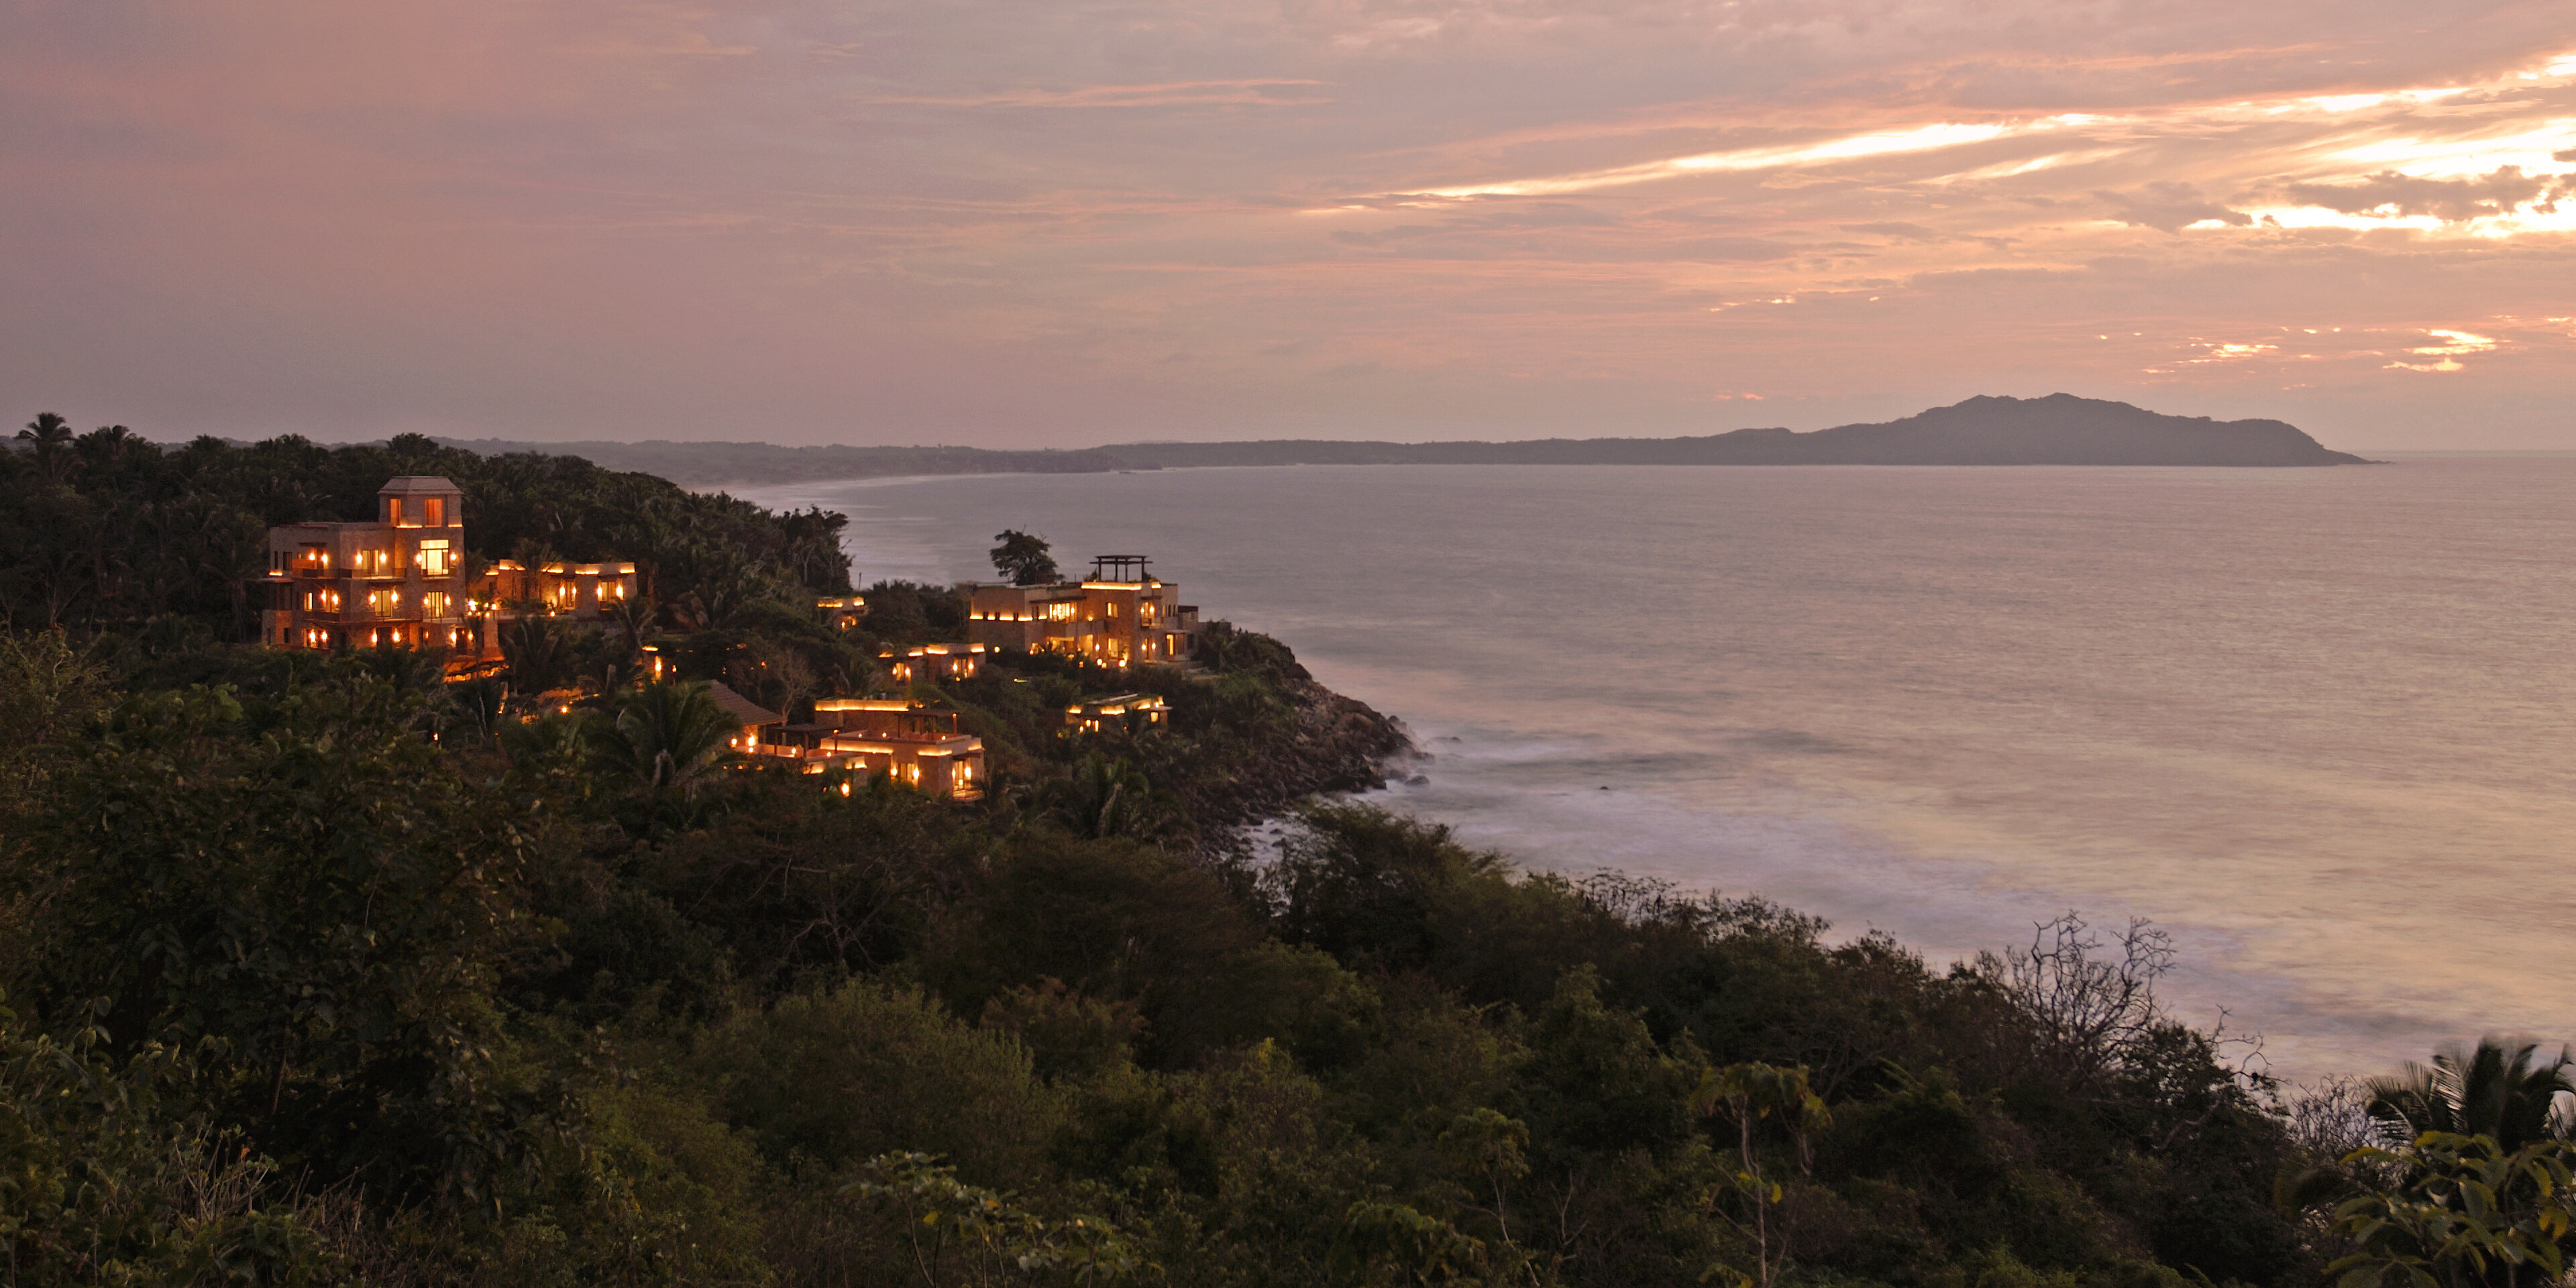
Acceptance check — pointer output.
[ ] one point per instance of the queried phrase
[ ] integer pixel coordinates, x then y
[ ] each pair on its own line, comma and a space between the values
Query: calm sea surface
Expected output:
2315, 722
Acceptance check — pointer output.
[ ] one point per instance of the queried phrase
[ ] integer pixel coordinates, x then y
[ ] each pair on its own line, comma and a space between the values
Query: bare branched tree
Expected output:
2093, 1001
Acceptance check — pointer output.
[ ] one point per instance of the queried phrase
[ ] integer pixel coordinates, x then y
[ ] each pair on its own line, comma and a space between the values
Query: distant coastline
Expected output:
2060, 429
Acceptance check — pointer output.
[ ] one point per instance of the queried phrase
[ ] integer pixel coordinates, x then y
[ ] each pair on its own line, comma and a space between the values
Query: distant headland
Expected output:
2060, 429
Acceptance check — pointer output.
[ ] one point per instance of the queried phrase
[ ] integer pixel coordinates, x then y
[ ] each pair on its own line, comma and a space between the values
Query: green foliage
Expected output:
1750, 1095
659, 1193
960, 1233
867, 1068
2495, 1090
1392, 1244
309, 887
104, 1180
581, 998
2465, 1211
1222, 647
111, 529
1024, 559
1104, 798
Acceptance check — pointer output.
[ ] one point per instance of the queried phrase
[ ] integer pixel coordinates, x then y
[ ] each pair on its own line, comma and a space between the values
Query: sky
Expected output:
1061, 224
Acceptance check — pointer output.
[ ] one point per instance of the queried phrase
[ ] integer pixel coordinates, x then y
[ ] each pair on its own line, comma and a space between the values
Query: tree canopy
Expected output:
320, 968
1025, 559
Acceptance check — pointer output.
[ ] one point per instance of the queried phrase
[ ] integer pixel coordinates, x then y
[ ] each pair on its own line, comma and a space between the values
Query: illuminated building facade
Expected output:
933, 663
843, 612
554, 589
1120, 615
915, 745
396, 581
1117, 713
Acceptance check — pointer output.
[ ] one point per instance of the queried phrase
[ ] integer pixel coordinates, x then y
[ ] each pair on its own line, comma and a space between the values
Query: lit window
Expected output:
393, 509
434, 512
434, 558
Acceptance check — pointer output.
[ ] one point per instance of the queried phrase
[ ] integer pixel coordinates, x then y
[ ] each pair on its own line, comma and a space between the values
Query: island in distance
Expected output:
2060, 429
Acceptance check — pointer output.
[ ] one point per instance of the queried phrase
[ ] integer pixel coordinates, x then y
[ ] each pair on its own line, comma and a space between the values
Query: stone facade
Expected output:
396, 581
1121, 615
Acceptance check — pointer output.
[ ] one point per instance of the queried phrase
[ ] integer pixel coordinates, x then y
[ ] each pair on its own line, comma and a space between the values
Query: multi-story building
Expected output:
914, 744
1119, 712
398, 580
554, 589
1120, 615
932, 663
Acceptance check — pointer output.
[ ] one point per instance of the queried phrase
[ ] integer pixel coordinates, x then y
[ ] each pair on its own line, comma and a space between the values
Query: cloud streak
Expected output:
884, 222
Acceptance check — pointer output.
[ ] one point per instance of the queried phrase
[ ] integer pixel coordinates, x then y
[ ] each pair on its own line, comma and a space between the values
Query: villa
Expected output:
577, 590
843, 612
396, 581
932, 663
1122, 712
400, 581
1120, 615
916, 745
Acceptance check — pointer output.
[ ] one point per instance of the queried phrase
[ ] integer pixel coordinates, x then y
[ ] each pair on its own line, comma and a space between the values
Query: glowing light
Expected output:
2458, 342
1921, 139
2531, 150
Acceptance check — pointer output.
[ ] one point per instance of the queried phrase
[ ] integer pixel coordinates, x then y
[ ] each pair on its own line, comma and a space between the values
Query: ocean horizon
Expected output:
2309, 721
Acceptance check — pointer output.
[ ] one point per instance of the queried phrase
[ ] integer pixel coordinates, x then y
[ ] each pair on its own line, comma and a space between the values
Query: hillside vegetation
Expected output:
319, 970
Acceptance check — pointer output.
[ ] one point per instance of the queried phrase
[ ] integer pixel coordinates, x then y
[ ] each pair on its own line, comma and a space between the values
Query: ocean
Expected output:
2316, 723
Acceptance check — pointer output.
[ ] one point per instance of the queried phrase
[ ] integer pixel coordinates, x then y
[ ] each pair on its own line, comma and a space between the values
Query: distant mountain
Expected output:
2060, 429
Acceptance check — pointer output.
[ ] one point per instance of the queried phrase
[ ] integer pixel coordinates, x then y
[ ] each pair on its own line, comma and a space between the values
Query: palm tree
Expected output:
2494, 1091
1105, 797
50, 434
538, 656
667, 736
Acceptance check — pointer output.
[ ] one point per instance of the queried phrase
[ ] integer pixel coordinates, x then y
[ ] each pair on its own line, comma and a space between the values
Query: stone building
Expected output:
916, 745
398, 580
933, 663
578, 590
1120, 615
1117, 712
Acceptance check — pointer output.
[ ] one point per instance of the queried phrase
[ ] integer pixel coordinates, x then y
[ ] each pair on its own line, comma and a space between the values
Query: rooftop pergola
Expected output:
1119, 568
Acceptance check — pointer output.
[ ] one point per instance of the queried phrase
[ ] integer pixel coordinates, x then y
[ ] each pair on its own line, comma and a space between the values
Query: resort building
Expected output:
400, 581
571, 593
912, 743
843, 612
1120, 615
933, 663
749, 716
555, 589
396, 581
1118, 713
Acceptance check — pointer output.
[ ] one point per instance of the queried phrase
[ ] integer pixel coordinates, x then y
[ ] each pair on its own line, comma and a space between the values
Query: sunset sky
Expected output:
1060, 224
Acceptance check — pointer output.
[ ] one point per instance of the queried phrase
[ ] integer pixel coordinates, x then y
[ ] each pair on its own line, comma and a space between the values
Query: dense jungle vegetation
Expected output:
320, 970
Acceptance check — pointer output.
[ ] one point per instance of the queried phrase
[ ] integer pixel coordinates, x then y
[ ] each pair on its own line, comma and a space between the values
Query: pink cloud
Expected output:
812, 222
